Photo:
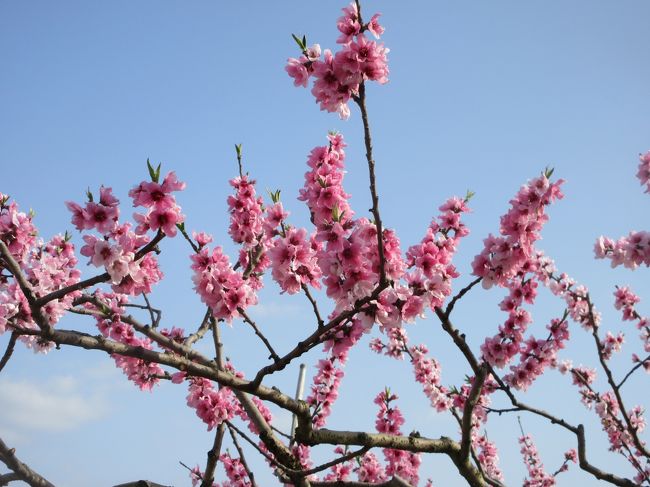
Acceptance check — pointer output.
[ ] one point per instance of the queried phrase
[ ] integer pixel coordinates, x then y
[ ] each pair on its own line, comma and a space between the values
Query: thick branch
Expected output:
24, 472
89, 342
470, 404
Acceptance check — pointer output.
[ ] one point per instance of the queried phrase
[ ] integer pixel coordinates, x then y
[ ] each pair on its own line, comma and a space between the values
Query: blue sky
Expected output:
482, 96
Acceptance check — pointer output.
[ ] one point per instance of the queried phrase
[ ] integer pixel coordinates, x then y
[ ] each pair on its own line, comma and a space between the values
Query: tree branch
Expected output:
24, 472
9, 351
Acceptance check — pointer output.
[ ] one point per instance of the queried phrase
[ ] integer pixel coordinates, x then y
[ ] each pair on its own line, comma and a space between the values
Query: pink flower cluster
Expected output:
630, 251
235, 471
294, 261
325, 385
537, 477
607, 407
338, 76
163, 214
47, 267
488, 455
101, 216
116, 252
505, 257
625, 301
536, 355
370, 470
118, 245
575, 296
389, 421
633, 250
430, 279
426, 369
323, 190
143, 374
223, 289
212, 406
16, 229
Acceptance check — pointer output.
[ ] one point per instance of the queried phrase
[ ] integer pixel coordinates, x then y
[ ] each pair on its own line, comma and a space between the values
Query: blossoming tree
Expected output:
357, 279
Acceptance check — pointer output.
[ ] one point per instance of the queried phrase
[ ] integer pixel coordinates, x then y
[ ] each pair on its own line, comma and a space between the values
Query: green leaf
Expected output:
238, 149
89, 195
301, 43
548, 172
181, 226
469, 195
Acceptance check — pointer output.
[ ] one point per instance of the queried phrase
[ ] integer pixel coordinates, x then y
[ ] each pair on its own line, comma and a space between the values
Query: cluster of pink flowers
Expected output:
143, 374
487, 454
505, 257
625, 301
630, 251
46, 266
430, 279
102, 216
118, 245
235, 471
608, 409
116, 252
212, 406
337, 77
325, 385
575, 296
17, 230
323, 190
389, 421
370, 470
219, 286
163, 214
537, 477
426, 369
536, 355
633, 250
294, 261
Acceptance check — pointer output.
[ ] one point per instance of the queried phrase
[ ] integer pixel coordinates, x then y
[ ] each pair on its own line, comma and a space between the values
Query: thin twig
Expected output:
261, 336
314, 305
634, 369
242, 458
9, 351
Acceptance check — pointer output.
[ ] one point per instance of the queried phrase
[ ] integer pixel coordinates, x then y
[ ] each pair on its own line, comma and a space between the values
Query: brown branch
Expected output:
201, 331
576, 430
242, 458
155, 320
361, 102
461, 293
7, 478
316, 337
176, 361
634, 369
26, 288
215, 451
261, 336
459, 339
468, 410
395, 481
632, 429
314, 305
9, 351
24, 472
141, 483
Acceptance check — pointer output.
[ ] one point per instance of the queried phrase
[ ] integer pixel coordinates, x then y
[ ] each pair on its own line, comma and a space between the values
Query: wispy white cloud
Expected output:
59, 404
